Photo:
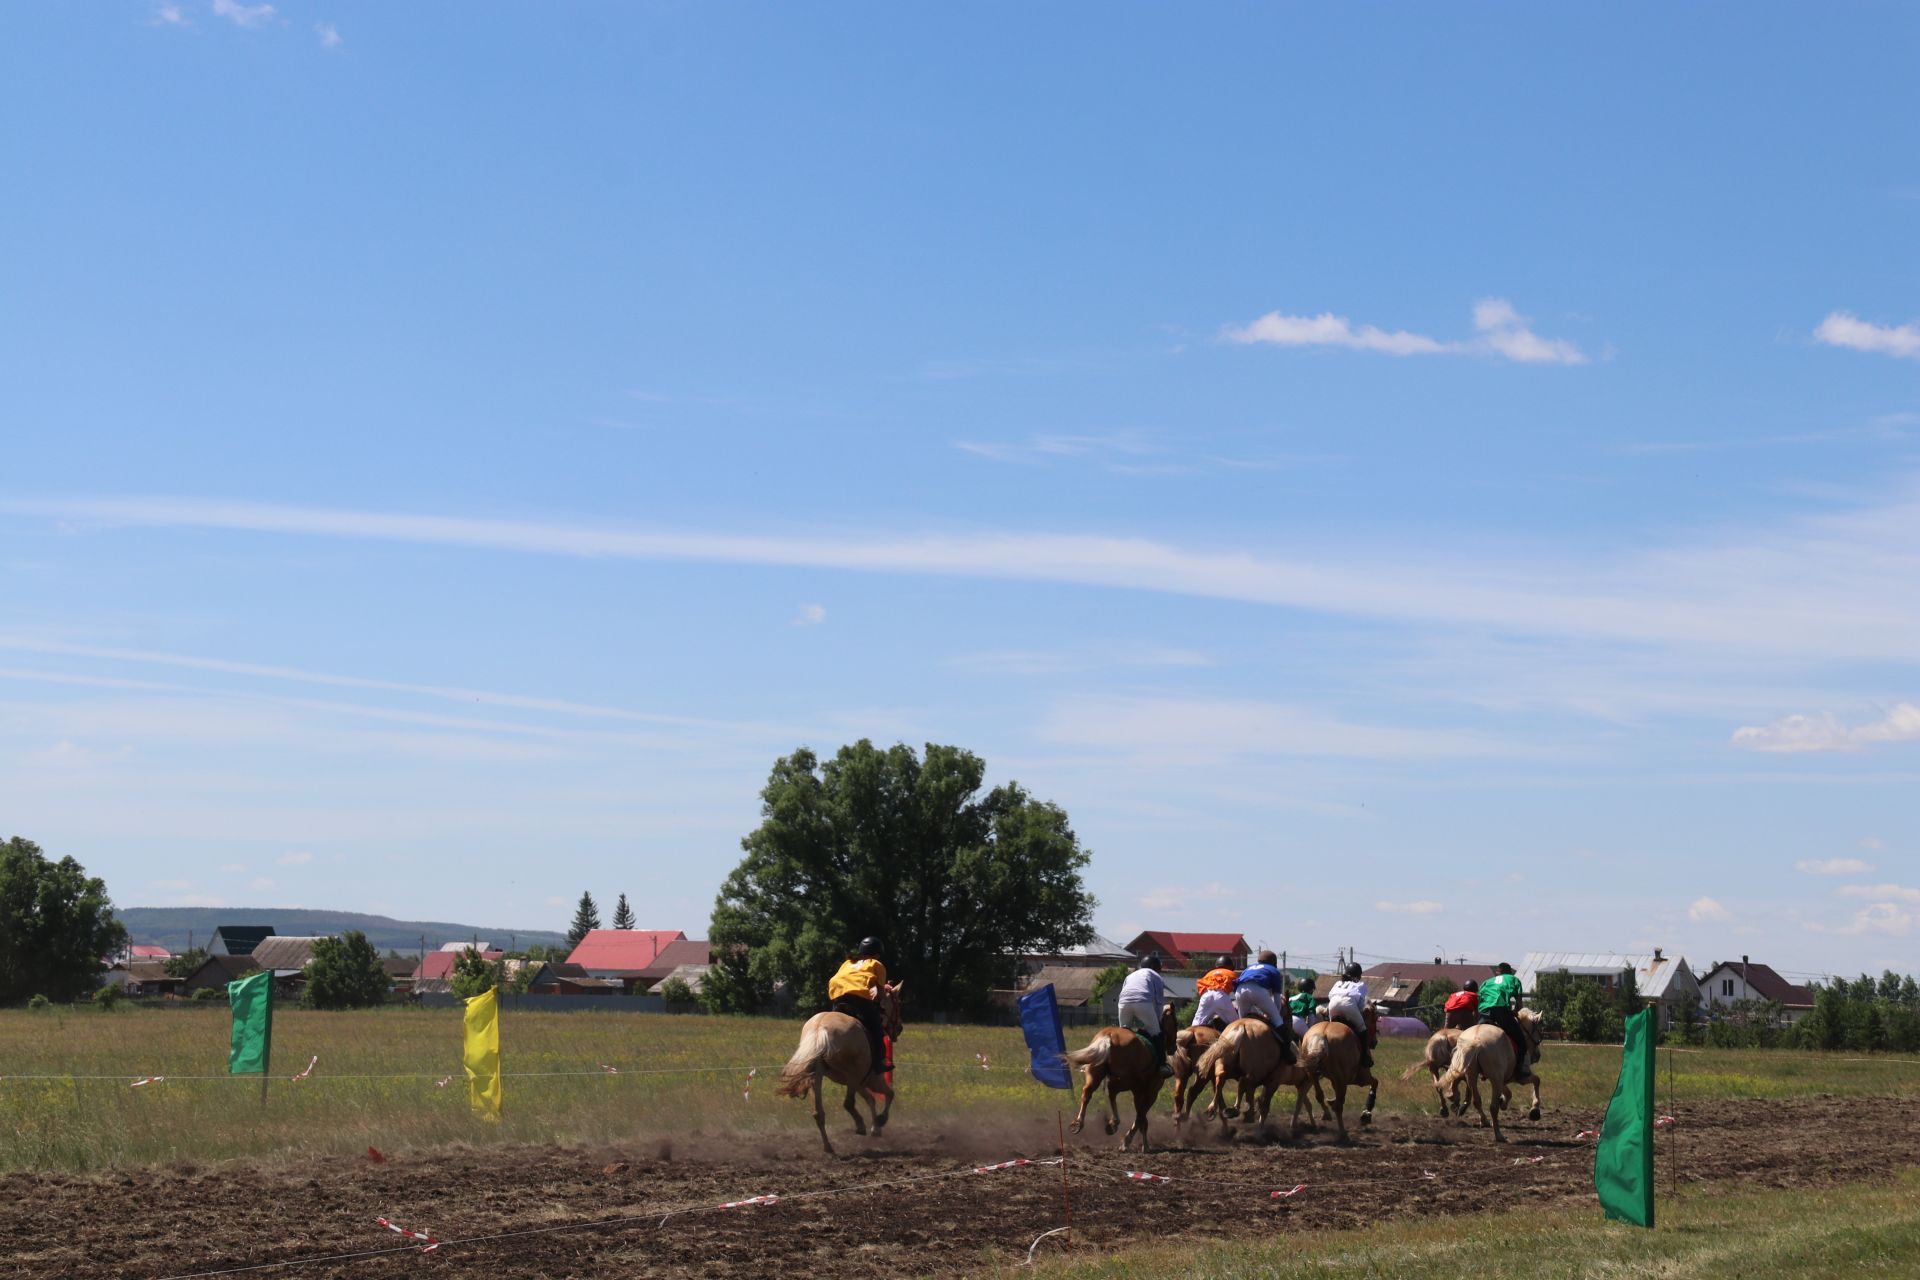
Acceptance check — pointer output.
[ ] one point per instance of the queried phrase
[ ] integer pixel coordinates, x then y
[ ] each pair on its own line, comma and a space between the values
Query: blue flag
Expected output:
1040, 1023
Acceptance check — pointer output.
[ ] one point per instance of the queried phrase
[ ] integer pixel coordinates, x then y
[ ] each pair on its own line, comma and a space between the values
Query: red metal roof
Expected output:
1177, 948
144, 951
438, 966
623, 950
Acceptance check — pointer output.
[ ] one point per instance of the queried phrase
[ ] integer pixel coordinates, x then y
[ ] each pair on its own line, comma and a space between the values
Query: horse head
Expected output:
1530, 1022
890, 1007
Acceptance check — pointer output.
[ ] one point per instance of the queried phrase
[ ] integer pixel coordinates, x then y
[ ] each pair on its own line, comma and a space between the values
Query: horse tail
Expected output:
1094, 1055
1313, 1055
1462, 1054
1214, 1052
1415, 1069
796, 1078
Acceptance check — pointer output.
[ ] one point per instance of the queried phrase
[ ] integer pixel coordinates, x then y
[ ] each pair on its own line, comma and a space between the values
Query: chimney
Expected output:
1656, 953
1439, 959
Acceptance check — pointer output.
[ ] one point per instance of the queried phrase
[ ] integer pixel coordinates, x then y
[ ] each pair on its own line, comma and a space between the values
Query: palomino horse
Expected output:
1484, 1052
1331, 1051
834, 1045
1188, 1045
1119, 1059
1434, 1060
1248, 1051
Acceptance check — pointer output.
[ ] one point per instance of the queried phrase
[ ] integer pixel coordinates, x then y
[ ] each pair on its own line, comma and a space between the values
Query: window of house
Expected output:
1726, 986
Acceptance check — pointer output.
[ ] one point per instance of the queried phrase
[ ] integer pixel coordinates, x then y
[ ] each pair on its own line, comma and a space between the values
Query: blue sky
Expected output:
1412, 481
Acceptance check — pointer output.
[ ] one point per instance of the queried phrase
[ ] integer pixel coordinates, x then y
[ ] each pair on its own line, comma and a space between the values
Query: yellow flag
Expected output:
482, 1054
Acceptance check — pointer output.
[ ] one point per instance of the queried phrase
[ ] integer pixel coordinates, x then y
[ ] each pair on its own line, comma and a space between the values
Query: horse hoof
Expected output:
1366, 1117
1112, 1128
1534, 1114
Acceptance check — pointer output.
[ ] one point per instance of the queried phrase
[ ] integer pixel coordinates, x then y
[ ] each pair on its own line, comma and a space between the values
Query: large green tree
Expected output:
884, 842
586, 918
56, 925
346, 973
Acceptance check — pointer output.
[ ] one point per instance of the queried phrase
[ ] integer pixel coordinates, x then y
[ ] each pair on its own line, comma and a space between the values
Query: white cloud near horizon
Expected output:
1195, 730
328, 33
243, 15
1824, 731
1880, 918
1839, 586
810, 615
1707, 911
1888, 892
1832, 866
296, 858
169, 15
1844, 329
1423, 907
1504, 333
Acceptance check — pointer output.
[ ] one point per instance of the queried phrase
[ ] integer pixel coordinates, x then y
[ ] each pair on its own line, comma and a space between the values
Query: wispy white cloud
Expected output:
1845, 585
1707, 911
1421, 907
1046, 448
260, 884
295, 858
170, 15
1824, 731
1844, 329
243, 15
1503, 333
1181, 897
810, 615
1196, 730
1039, 662
1884, 892
1832, 866
328, 33
1872, 842
1886, 918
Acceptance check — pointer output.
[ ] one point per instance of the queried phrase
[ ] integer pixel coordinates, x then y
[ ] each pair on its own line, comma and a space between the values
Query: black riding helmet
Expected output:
1471, 985
869, 947
1224, 962
1505, 967
1353, 971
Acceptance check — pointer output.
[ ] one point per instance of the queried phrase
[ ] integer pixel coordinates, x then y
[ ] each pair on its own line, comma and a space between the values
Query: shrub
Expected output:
107, 997
38, 1003
209, 993
676, 991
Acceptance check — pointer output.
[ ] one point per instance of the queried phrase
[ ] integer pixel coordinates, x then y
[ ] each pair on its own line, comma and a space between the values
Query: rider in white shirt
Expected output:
1347, 1002
1140, 998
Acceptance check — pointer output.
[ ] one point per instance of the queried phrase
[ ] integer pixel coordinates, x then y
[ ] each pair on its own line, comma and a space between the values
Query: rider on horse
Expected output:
1141, 996
1347, 1002
1463, 1007
1301, 1005
1499, 1002
1257, 993
855, 991
1215, 1008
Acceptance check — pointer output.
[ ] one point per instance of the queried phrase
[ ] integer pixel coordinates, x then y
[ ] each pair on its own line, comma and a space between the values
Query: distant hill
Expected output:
169, 926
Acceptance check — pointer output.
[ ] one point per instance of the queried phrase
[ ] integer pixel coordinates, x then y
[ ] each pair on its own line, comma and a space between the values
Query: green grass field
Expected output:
1717, 1233
375, 1082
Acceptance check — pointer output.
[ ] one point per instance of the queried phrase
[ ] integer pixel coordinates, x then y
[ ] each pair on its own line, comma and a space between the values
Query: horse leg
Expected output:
1373, 1095
1141, 1104
1320, 1096
1436, 1073
1080, 1116
1533, 1113
880, 1115
1340, 1107
853, 1109
820, 1113
1499, 1100
1113, 1104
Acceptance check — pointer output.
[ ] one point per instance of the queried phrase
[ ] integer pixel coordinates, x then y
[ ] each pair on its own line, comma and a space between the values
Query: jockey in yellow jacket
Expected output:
855, 991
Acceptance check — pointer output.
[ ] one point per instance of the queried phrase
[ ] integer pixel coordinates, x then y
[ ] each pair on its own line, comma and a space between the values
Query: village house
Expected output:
238, 939
1662, 980
1190, 950
1732, 981
435, 974
1396, 986
217, 971
636, 958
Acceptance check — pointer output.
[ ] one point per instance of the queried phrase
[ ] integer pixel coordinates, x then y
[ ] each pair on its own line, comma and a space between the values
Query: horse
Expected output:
1188, 1045
1121, 1060
1434, 1060
1486, 1052
1248, 1051
1331, 1050
834, 1045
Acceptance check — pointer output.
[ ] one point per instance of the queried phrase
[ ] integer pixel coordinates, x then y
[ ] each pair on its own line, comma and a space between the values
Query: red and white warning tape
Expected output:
1430, 1175
610, 1070
441, 1084
1287, 1195
1529, 1159
1137, 1176
310, 1066
146, 1080
981, 1058
1004, 1164
746, 1090
1584, 1134
740, 1204
430, 1245
1665, 1122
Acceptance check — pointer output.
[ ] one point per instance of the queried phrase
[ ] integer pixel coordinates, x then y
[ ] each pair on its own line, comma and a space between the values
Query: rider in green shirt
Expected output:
1301, 1006
1499, 999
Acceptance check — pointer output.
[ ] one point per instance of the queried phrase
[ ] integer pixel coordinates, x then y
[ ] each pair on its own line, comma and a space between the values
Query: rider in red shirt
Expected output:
1463, 1007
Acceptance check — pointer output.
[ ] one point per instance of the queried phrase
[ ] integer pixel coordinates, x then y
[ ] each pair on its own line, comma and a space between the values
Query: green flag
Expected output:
1623, 1163
252, 1002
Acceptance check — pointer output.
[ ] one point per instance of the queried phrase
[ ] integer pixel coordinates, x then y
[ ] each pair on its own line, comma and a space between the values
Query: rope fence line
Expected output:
971, 1069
